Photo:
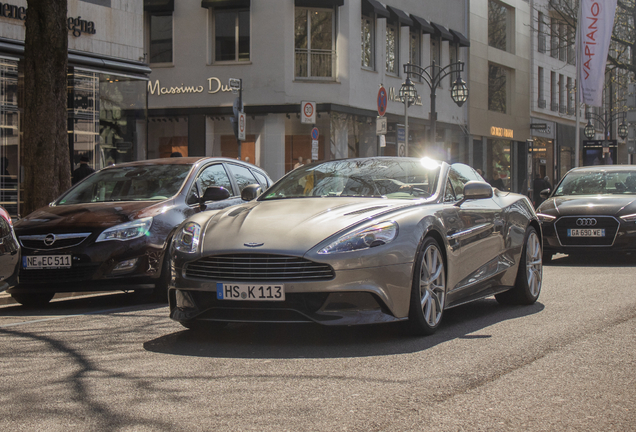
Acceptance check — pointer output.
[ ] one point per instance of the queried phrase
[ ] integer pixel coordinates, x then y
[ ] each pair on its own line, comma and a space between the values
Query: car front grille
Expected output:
608, 223
52, 241
258, 268
77, 273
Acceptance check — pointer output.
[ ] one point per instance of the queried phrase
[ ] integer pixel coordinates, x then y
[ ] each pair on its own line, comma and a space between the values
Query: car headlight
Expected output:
543, 218
629, 218
187, 239
126, 231
365, 238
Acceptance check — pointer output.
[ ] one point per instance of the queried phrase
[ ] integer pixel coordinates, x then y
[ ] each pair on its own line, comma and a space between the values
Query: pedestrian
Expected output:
547, 184
84, 170
496, 181
480, 172
538, 184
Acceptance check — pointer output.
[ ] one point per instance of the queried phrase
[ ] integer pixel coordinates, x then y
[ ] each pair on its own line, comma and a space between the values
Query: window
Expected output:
563, 36
497, 25
392, 48
414, 46
554, 92
436, 44
497, 86
554, 38
160, 38
562, 95
314, 43
243, 176
368, 38
570, 90
542, 36
540, 90
231, 35
213, 175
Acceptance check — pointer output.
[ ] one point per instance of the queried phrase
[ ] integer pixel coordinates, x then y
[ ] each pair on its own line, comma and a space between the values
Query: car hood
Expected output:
588, 205
290, 225
89, 216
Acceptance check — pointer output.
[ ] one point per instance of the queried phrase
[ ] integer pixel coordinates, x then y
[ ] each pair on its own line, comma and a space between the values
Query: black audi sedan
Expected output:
592, 209
111, 230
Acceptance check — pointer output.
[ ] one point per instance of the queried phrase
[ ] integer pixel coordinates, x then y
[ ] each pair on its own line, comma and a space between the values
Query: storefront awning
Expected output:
159, 5
460, 39
442, 31
108, 64
425, 25
319, 3
371, 6
400, 16
225, 4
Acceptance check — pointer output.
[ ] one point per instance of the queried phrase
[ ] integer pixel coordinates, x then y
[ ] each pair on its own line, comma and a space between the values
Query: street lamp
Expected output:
433, 76
589, 130
605, 121
408, 95
623, 131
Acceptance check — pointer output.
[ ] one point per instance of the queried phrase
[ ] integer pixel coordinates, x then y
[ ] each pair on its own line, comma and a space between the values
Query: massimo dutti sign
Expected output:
75, 25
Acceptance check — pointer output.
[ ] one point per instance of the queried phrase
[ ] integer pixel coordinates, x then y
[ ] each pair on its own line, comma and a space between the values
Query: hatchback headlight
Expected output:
543, 218
127, 231
629, 218
365, 238
188, 237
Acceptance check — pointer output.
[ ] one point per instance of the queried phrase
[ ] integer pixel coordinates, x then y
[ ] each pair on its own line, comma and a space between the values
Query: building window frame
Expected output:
241, 37
498, 88
158, 33
393, 48
367, 34
313, 63
499, 26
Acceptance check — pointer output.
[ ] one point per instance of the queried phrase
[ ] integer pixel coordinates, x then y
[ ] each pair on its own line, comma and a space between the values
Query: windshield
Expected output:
598, 182
375, 177
132, 183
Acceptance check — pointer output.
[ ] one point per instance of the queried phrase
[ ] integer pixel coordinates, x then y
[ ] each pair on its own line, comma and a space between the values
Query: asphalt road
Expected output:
113, 362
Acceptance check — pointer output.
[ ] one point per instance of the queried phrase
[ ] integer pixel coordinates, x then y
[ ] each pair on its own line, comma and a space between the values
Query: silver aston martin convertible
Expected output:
356, 241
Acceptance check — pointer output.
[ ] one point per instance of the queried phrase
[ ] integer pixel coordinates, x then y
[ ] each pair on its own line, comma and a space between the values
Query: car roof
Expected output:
177, 161
596, 168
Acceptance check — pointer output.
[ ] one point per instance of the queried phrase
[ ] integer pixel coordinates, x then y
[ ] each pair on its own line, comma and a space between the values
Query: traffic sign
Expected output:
382, 101
235, 84
314, 149
241, 126
314, 133
308, 112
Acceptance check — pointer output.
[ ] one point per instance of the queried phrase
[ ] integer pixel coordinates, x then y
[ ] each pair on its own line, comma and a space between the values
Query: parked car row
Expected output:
345, 242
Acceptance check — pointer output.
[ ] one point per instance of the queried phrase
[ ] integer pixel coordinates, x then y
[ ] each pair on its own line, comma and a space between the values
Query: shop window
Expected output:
497, 89
498, 23
499, 162
314, 40
368, 39
392, 48
160, 49
232, 35
9, 136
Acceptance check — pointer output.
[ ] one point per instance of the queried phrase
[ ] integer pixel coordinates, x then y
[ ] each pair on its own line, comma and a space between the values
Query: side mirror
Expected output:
545, 193
214, 193
251, 192
476, 190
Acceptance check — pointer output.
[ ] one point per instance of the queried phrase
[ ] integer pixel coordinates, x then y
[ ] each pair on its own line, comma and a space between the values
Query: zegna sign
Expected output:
214, 86
75, 25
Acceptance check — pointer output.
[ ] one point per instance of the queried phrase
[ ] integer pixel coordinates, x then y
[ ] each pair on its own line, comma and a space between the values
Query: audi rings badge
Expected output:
586, 222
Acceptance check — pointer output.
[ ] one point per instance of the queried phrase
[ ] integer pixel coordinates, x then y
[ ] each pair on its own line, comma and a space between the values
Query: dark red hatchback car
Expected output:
111, 230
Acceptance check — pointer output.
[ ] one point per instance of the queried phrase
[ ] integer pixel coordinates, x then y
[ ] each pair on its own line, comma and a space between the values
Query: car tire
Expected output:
33, 299
203, 326
530, 274
160, 293
428, 292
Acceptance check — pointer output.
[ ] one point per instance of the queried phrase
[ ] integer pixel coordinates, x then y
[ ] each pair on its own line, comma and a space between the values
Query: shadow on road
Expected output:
600, 259
288, 341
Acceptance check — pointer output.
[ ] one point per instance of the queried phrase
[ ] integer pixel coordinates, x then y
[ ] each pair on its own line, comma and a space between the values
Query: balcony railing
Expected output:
315, 64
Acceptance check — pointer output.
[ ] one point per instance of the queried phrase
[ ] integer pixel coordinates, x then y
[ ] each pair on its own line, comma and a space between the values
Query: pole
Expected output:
240, 108
577, 97
433, 115
406, 126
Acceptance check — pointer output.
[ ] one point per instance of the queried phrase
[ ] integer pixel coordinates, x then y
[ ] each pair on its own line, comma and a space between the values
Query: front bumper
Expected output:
621, 240
352, 297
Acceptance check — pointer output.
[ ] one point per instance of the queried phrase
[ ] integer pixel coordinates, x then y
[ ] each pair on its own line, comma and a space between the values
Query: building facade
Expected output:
292, 57
107, 81
499, 106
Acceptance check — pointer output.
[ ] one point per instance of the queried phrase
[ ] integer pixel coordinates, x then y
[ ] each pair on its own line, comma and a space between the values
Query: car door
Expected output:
479, 238
211, 175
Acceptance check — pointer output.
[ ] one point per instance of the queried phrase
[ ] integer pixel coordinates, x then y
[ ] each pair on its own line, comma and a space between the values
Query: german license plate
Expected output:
46, 261
255, 292
579, 232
